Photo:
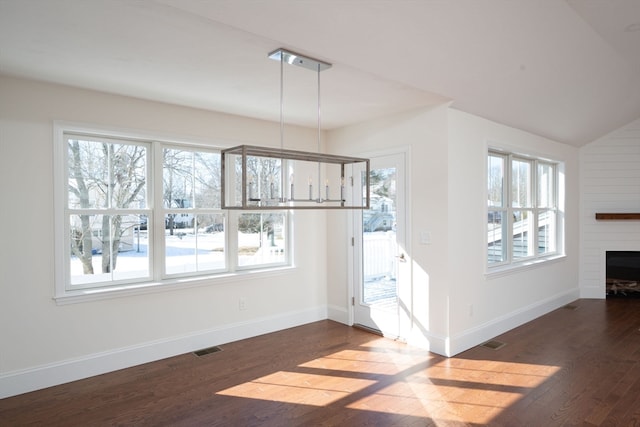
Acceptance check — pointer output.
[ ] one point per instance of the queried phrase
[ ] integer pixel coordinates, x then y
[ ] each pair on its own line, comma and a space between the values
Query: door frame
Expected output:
406, 312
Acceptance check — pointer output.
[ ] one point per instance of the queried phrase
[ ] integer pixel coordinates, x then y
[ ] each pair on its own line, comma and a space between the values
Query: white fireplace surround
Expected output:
603, 260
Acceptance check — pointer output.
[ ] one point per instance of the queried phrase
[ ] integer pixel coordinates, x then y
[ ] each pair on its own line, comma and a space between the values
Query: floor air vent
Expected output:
494, 344
570, 306
206, 351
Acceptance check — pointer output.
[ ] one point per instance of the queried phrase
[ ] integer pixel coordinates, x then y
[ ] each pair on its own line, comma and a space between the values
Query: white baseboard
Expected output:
593, 292
479, 334
433, 343
338, 314
26, 380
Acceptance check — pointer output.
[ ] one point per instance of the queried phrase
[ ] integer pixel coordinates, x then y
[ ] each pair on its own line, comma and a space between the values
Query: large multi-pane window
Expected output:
522, 208
139, 212
194, 238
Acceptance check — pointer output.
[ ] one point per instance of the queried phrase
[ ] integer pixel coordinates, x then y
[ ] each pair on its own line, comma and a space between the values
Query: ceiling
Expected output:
567, 70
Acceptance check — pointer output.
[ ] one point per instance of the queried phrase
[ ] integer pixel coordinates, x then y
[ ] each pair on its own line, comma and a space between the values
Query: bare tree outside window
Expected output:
104, 179
145, 212
194, 225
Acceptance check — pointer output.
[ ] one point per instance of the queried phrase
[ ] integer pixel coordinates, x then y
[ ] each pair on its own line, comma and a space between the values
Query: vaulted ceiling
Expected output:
568, 70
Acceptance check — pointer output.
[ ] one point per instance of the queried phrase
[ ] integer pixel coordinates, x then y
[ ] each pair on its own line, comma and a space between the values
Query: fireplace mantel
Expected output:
618, 216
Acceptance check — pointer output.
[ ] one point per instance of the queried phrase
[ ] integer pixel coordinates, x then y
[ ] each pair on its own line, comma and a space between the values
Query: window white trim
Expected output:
98, 294
507, 269
510, 264
63, 293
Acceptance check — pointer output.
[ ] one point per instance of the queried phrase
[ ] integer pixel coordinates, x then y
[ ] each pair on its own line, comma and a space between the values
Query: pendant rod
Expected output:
282, 186
319, 136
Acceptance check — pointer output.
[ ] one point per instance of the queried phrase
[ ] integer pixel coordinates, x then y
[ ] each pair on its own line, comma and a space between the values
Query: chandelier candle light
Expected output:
238, 188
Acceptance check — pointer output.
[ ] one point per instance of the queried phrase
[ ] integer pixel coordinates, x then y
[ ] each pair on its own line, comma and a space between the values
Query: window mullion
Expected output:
508, 240
156, 247
535, 207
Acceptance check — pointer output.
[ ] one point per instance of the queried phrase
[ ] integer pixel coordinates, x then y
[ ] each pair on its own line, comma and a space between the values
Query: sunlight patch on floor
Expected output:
499, 366
437, 402
527, 376
450, 390
298, 388
386, 356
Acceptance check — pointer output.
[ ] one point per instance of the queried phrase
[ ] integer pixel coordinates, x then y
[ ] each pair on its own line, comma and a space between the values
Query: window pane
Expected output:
496, 228
86, 170
521, 184
547, 232
263, 179
178, 178
546, 185
495, 189
179, 244
107, 248
105, 174
190, 249
127, 177
261, 239
207, 180
191, 179
522, 242
379, 244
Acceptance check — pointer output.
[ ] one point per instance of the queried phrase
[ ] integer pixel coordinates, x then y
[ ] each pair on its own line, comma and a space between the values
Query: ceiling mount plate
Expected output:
294, 58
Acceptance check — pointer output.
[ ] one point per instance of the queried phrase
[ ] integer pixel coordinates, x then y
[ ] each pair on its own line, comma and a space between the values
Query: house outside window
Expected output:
136, 213
522, 209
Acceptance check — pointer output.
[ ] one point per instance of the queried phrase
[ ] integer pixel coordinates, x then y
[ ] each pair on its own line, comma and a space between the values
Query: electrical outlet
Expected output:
242, 304
470, 310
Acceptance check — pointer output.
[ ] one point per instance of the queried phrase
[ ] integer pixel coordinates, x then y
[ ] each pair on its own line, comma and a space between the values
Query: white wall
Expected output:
610, 182
422, 134
42, 343
483, 306
455, 305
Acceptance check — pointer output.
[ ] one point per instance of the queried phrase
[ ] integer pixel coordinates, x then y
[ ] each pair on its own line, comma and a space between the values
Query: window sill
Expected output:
505, 270
98, 294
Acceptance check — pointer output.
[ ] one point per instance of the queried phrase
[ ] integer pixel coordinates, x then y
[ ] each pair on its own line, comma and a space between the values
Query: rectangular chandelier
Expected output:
255, 178
274, 178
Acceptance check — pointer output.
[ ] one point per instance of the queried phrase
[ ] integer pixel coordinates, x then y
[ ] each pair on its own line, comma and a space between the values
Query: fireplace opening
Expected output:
623, 274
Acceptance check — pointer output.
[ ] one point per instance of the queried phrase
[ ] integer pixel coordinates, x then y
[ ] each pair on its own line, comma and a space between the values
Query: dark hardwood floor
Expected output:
578, 365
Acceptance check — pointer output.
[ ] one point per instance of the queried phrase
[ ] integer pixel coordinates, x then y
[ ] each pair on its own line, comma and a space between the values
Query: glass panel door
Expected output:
379, 250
